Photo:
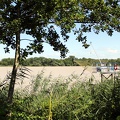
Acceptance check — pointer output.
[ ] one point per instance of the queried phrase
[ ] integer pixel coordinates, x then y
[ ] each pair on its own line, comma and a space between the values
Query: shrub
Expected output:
107, 100
53, 99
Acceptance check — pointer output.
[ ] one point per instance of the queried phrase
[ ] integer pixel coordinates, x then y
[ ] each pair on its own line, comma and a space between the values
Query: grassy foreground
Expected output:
46, 100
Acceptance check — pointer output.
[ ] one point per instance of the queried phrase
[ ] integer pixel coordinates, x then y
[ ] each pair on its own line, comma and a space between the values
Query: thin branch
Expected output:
26, 39
52, 21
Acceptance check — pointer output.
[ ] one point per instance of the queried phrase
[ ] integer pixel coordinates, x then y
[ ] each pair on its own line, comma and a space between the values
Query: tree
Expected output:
7, 61
38, 17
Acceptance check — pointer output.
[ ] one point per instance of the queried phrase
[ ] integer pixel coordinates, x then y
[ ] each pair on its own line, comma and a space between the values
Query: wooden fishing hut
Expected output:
110, 72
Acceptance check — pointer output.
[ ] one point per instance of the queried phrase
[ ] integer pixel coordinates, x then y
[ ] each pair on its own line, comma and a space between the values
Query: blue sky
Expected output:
103, 45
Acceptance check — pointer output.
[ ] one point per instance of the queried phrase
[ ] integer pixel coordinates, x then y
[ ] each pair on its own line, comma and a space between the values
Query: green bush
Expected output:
3, 103
107, 100
58, 101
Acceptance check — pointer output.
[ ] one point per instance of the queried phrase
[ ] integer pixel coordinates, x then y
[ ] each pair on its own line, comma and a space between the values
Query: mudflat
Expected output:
55, 72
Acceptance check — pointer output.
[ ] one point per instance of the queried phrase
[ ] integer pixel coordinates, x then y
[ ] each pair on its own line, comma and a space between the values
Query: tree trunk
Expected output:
15, 68
16, 60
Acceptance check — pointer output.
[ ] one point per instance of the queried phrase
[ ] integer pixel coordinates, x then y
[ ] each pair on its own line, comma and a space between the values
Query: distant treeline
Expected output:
70, 61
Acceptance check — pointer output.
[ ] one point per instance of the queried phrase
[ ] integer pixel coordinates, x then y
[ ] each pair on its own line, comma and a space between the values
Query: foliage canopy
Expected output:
33, 17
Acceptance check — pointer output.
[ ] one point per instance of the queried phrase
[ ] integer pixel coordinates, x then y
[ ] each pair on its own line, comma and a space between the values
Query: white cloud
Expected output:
113, 51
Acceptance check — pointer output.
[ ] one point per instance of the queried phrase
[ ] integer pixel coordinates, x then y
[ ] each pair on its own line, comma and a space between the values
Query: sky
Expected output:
103, 46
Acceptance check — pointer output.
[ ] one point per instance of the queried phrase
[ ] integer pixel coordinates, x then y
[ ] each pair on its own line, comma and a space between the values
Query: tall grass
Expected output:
53, 99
